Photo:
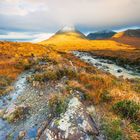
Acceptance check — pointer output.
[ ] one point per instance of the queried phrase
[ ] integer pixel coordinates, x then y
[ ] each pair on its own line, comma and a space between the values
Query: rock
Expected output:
21, 134
1, 112
98, 64
75, 123
14, 113
41, 94
119, 70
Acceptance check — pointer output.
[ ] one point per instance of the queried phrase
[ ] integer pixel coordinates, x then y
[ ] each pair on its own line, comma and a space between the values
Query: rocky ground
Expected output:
63, 100
26, 114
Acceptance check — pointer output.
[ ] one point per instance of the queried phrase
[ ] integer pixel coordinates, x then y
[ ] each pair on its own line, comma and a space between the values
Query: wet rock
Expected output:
119, 70
1, 113
21, 134
14, 113
105, 67
41, 94
98, 64
75, 123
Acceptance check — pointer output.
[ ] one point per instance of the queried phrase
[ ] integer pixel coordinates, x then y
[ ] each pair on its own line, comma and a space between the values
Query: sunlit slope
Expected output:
13, 53
130, 37
75, 41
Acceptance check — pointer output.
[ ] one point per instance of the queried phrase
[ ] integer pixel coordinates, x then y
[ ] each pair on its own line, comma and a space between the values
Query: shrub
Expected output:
4, 84
128, 109
105, 96
113, 130
57, 105
136, 127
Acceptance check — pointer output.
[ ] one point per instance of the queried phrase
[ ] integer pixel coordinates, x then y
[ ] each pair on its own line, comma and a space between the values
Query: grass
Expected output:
56, 73
57, 104
105, 97
19, 113
15, 57
97, 87
5, 82
113, 130
127, 109
111, 49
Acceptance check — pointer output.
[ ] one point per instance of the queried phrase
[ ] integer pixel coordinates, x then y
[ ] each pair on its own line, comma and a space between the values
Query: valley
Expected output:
69, 87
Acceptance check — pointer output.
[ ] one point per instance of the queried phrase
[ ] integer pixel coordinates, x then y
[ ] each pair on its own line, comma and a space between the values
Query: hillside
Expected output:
75, 40
56, 88
70, 41
101, 35
130, 37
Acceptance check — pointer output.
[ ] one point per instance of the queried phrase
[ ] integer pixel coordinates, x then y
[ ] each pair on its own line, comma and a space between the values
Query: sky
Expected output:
34, 20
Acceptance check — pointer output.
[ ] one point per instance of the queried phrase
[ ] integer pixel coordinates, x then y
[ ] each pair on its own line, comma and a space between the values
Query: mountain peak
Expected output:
68, 29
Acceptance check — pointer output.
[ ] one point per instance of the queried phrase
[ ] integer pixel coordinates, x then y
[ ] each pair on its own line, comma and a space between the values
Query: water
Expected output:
107, 65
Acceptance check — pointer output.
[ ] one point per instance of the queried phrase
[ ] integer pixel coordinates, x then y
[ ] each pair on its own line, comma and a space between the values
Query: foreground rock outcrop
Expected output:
75, 123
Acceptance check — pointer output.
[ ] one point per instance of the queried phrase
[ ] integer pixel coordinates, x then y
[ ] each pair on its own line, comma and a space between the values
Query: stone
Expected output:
75, 123
22, 134
119, 70
14, 113
41, 94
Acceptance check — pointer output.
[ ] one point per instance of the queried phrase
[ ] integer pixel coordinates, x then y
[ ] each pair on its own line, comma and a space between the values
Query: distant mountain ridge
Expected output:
128, 33
130, 37
105, 34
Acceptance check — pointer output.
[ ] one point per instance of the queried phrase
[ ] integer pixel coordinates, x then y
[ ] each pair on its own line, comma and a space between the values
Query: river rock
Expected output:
98, 64
75, 124
21, 134
119, 70
13, 112
41, 94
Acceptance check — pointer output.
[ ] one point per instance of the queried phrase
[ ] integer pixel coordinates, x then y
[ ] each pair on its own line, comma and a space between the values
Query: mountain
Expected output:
67, 30
101, 35
69, 39
130, 37
128, 33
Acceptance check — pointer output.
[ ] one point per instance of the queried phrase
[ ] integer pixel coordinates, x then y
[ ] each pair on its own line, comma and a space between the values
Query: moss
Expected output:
113, 130
128, 109
19, 113
57, 104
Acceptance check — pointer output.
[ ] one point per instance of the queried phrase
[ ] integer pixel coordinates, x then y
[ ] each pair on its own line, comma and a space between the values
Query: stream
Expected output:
106, 65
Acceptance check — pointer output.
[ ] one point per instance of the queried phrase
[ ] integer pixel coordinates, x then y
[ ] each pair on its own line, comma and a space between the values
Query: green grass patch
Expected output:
127, 109
113, 130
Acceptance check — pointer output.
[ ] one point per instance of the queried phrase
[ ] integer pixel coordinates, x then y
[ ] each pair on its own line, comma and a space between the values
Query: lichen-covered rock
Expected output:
74, 124
14, 113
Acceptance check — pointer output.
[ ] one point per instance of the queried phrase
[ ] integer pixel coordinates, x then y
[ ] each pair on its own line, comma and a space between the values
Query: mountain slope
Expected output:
130, 37
69, 40
101, 35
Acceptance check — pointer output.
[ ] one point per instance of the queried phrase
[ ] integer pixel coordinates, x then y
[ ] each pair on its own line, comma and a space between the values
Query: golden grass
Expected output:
108, 48
73, 41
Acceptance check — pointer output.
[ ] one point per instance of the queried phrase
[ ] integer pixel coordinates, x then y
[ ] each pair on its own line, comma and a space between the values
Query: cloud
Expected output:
30, 37
49, 15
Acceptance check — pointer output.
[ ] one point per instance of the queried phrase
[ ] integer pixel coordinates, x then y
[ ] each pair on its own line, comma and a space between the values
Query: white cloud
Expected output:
26, 36
49, 14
